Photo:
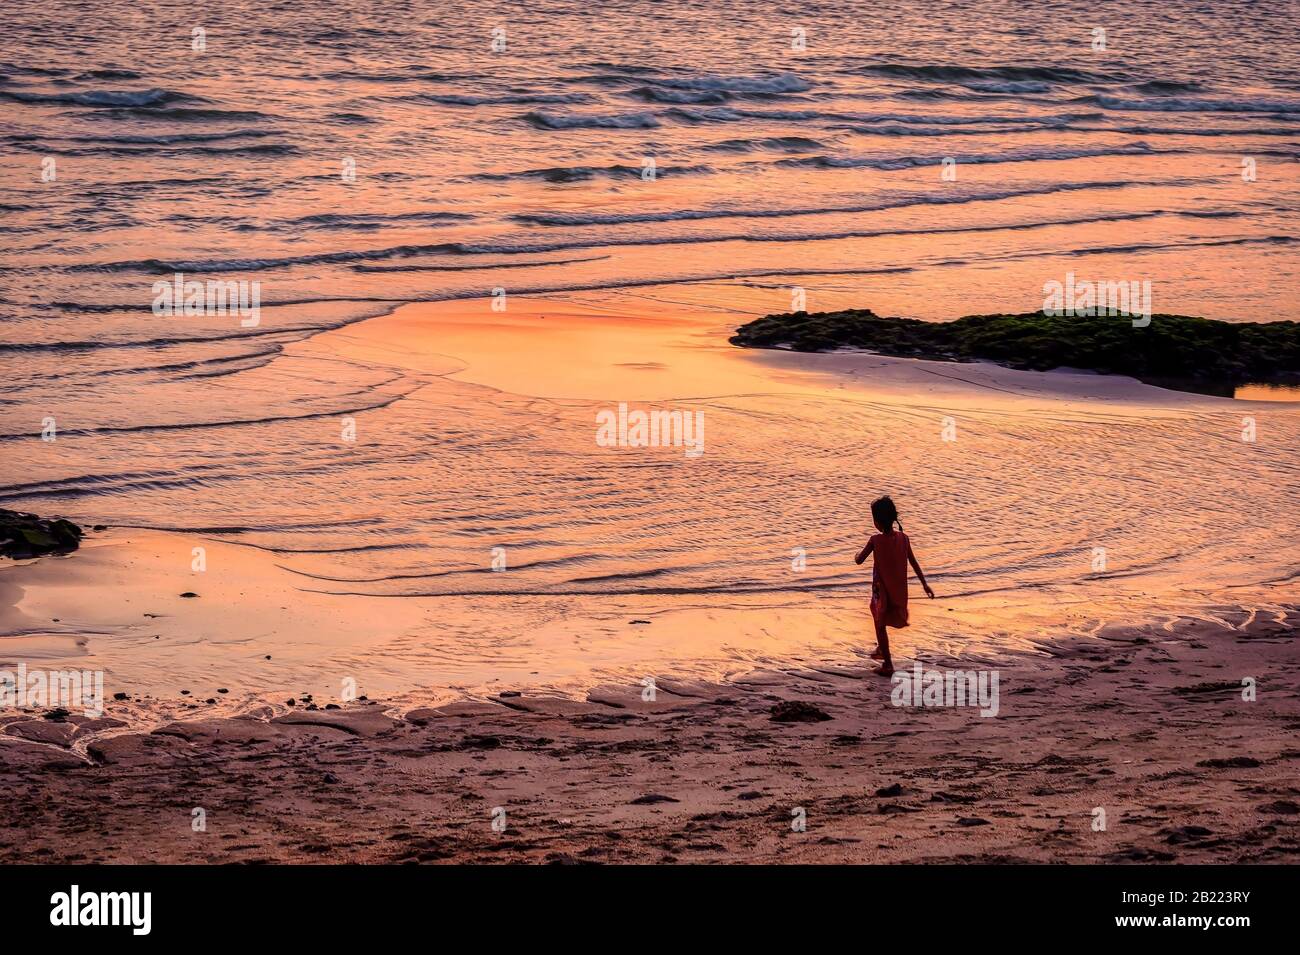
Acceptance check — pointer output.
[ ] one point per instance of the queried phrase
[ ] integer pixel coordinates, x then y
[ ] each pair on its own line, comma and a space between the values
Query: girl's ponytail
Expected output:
885, 513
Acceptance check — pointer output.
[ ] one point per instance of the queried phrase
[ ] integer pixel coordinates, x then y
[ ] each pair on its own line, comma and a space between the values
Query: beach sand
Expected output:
1146, 724
1121, 693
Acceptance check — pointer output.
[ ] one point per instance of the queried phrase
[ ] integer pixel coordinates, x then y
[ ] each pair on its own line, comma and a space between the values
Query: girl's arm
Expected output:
862, 554
911, 558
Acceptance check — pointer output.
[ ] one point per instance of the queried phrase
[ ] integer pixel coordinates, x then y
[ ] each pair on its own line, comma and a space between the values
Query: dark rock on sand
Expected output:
1174, 350
1232, 762
649, 799
973, 821
895, 790
797, 711
1283, 807
951, 797
1142, 854
1184, 834
25, 535
563, 858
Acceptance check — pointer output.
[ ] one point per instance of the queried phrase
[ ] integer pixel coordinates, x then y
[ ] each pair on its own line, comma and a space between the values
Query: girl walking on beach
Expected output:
889, 578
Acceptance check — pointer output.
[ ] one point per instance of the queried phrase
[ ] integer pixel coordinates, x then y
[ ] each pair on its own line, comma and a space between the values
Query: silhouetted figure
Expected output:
889, 577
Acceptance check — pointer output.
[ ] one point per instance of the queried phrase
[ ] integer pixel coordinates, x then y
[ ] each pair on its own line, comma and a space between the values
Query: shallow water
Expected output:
523, 170
1267, 392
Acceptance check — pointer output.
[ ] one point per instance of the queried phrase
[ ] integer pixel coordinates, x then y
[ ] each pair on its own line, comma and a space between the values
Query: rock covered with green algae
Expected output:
26, 535
1171, 347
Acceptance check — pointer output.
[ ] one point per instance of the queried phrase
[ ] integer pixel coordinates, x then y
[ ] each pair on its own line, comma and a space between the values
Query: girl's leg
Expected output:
876, 611
886, 667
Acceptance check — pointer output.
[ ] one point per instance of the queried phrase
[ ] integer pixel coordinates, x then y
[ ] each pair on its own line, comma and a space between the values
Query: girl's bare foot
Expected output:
886, 669
877, 654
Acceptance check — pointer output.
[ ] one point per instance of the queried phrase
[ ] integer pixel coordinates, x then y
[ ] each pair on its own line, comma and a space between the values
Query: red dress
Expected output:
889, 578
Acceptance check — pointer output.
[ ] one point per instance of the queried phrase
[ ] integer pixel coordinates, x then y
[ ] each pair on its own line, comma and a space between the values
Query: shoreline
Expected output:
268, 624
264, 637
1144, 723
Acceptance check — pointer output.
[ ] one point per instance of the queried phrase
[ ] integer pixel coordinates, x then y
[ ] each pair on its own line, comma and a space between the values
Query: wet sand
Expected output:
1147, 724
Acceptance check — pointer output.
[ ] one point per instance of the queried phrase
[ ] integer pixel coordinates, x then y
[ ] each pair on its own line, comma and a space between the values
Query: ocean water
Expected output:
352, 158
